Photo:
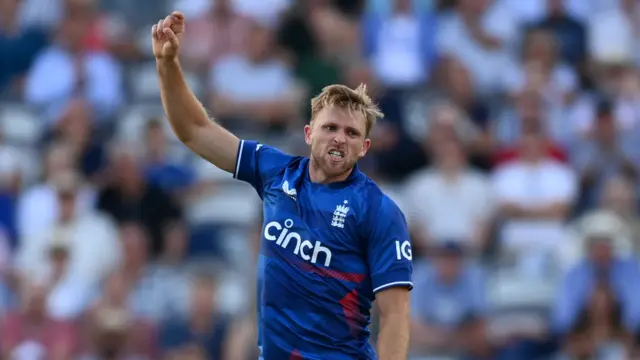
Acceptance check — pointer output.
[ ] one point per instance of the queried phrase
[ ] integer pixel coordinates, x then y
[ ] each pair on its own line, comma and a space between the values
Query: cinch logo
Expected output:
308, 251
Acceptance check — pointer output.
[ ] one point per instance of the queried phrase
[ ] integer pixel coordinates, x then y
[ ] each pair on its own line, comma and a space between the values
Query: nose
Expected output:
339, 139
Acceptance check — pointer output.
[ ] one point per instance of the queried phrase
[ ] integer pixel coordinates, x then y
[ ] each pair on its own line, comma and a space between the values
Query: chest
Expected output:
320, 226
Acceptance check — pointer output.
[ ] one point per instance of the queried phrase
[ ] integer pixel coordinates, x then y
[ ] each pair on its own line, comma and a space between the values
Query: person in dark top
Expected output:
18, 46
129, 197
205, 327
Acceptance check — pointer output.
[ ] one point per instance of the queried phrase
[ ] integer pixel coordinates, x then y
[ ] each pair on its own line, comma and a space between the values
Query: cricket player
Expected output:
332, 242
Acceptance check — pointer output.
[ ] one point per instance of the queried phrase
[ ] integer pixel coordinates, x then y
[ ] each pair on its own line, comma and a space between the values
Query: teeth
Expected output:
336, 153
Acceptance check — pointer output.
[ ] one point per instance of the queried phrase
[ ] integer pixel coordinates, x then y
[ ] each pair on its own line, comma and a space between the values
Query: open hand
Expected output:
166, 35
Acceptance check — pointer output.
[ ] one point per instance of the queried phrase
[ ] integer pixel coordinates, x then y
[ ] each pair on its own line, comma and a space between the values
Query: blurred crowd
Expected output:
511, 141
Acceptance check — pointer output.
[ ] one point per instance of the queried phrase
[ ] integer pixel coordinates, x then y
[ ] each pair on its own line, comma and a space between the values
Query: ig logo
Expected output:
403, 250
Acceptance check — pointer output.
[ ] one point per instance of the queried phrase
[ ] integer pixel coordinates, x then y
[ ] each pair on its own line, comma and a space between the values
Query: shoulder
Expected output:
378, 204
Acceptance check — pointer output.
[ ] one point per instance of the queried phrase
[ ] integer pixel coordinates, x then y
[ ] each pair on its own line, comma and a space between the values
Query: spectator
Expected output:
38, 207
66, 71
30, 333
400, 45
76, 129
450, 201
541, 70
480, 35
205, 326
90, 237
19, 45
534, 196
112, 330
528, 115
619, 196
163, 170
608, 152
449, 307
254, 85
129, 197
570, 32
595, 310
216, 33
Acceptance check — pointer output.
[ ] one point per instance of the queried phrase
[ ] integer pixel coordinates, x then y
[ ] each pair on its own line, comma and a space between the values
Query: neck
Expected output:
318, 176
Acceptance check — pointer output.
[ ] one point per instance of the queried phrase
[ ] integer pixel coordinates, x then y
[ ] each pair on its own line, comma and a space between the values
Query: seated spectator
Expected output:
540, 70
534, 196
205, 326
596, 309
528, 115
38, 206
77, 130
166, 172
90, 236
480, 34
31, 333
609, 151
66, 71
450, 200
216, 33
401, 44
128, 197
619, 196
19, 45
254, 85
449, 307
568, 29
112, 330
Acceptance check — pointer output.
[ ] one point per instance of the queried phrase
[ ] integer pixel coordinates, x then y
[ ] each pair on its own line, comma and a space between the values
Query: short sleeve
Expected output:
256, 164
389, 248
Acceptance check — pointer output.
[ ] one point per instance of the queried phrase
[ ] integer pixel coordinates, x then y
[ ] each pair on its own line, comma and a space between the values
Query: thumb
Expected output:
171, 36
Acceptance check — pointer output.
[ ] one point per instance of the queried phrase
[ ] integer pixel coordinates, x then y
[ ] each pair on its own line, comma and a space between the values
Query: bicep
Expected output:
216, 145
394, 301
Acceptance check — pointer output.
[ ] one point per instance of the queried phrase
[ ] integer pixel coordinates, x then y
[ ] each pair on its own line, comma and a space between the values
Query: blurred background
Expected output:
511, 141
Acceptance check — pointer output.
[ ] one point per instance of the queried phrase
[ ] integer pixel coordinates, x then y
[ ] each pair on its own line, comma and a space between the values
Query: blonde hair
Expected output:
344, 97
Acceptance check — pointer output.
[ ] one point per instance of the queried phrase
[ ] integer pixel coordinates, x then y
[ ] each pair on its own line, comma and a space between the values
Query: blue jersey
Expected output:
326, 249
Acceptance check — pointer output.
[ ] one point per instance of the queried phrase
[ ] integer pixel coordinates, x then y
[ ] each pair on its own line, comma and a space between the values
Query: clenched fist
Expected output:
166, 35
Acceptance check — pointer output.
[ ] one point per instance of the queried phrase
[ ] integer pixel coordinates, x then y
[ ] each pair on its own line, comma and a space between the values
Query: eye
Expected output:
353, 133
330, 127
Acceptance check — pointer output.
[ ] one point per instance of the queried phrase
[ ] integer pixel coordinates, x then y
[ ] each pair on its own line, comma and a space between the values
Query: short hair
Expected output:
351, 99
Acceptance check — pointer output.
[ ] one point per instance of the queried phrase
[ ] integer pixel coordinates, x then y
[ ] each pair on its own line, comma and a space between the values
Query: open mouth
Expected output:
336, 155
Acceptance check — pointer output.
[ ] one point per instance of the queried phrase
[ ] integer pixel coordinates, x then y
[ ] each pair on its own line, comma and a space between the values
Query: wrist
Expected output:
167, 64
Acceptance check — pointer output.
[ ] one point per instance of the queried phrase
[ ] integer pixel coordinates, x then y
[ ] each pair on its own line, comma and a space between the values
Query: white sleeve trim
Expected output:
235, 174
392, 284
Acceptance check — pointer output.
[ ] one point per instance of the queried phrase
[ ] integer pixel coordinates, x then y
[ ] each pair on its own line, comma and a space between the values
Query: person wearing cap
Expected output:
449, 307
603, 278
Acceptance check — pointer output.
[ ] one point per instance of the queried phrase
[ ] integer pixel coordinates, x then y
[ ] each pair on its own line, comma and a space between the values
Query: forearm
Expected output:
393, 340
185, 113
190, 121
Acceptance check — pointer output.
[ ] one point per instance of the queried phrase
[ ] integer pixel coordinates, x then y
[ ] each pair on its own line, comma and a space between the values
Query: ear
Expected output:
307, 134
365, 147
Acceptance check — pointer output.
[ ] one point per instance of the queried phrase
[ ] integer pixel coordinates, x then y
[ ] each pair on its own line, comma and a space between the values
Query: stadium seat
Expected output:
19, 124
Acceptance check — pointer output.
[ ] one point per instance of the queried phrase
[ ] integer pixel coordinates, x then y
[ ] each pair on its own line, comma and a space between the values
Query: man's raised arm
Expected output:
186, 114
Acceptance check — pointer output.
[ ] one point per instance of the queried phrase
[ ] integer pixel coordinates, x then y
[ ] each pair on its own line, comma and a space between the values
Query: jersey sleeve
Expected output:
389, 248
256, 164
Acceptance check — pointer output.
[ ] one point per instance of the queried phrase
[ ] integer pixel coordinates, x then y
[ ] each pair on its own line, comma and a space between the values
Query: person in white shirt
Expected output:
450, 200
91, 238
535, 195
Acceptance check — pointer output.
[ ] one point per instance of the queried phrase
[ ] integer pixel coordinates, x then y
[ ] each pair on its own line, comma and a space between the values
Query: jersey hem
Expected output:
408, 284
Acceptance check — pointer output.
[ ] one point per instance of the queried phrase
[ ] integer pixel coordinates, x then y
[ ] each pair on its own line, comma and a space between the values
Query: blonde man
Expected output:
332, 243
